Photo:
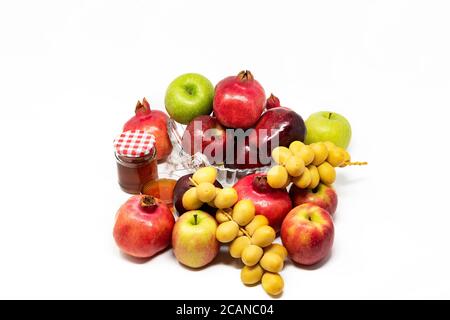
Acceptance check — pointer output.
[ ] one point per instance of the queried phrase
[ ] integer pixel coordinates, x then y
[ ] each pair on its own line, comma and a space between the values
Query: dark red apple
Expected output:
323, 196
308, 233
278, 126
239, 101
143, 226
182, 185
272, 203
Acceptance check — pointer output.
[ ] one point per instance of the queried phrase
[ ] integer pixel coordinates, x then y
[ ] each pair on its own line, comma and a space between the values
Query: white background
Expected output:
72, 71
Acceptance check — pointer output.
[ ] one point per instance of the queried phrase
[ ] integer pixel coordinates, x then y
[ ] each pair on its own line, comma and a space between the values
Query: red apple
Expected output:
323, 196
307, 233
143, 226
194, 239
278, 126
206, 135
239, 101
272, 203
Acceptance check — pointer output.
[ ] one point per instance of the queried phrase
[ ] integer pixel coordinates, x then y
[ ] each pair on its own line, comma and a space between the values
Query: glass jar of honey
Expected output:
136, 160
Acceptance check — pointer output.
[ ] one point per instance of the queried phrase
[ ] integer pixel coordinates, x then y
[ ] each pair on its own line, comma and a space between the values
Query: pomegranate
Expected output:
154, 122
272, 203
239, 101
143, 226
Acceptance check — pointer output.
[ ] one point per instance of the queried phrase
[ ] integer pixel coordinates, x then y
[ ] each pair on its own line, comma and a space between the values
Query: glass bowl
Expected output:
180, 161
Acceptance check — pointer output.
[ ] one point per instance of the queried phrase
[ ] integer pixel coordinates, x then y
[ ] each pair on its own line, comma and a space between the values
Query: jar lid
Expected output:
134, 144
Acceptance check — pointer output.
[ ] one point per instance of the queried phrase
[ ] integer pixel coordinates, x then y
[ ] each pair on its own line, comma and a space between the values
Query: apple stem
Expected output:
245, 75
195, 219
148, 203
356, 163
329, 115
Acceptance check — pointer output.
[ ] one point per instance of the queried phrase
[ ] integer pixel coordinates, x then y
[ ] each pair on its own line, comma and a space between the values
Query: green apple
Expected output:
328, 126
188, 96
194, 239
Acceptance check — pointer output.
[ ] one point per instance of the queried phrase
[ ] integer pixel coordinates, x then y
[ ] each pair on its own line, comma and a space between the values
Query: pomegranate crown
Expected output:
272, 102
142, 107
245, 75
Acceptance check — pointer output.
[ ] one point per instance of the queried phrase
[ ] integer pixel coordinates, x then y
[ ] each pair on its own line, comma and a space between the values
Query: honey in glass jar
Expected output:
136, 160
162, 189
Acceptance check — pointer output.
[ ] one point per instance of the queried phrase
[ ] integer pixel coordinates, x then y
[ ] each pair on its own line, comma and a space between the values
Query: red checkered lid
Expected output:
134, 144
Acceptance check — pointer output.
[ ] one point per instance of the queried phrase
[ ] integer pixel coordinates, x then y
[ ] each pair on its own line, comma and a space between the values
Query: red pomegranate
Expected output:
239, 101
272, 203
154, 122
143, 226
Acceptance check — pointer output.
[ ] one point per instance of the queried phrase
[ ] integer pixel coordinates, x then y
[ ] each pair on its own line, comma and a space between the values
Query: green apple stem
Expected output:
329, 115
195, 219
